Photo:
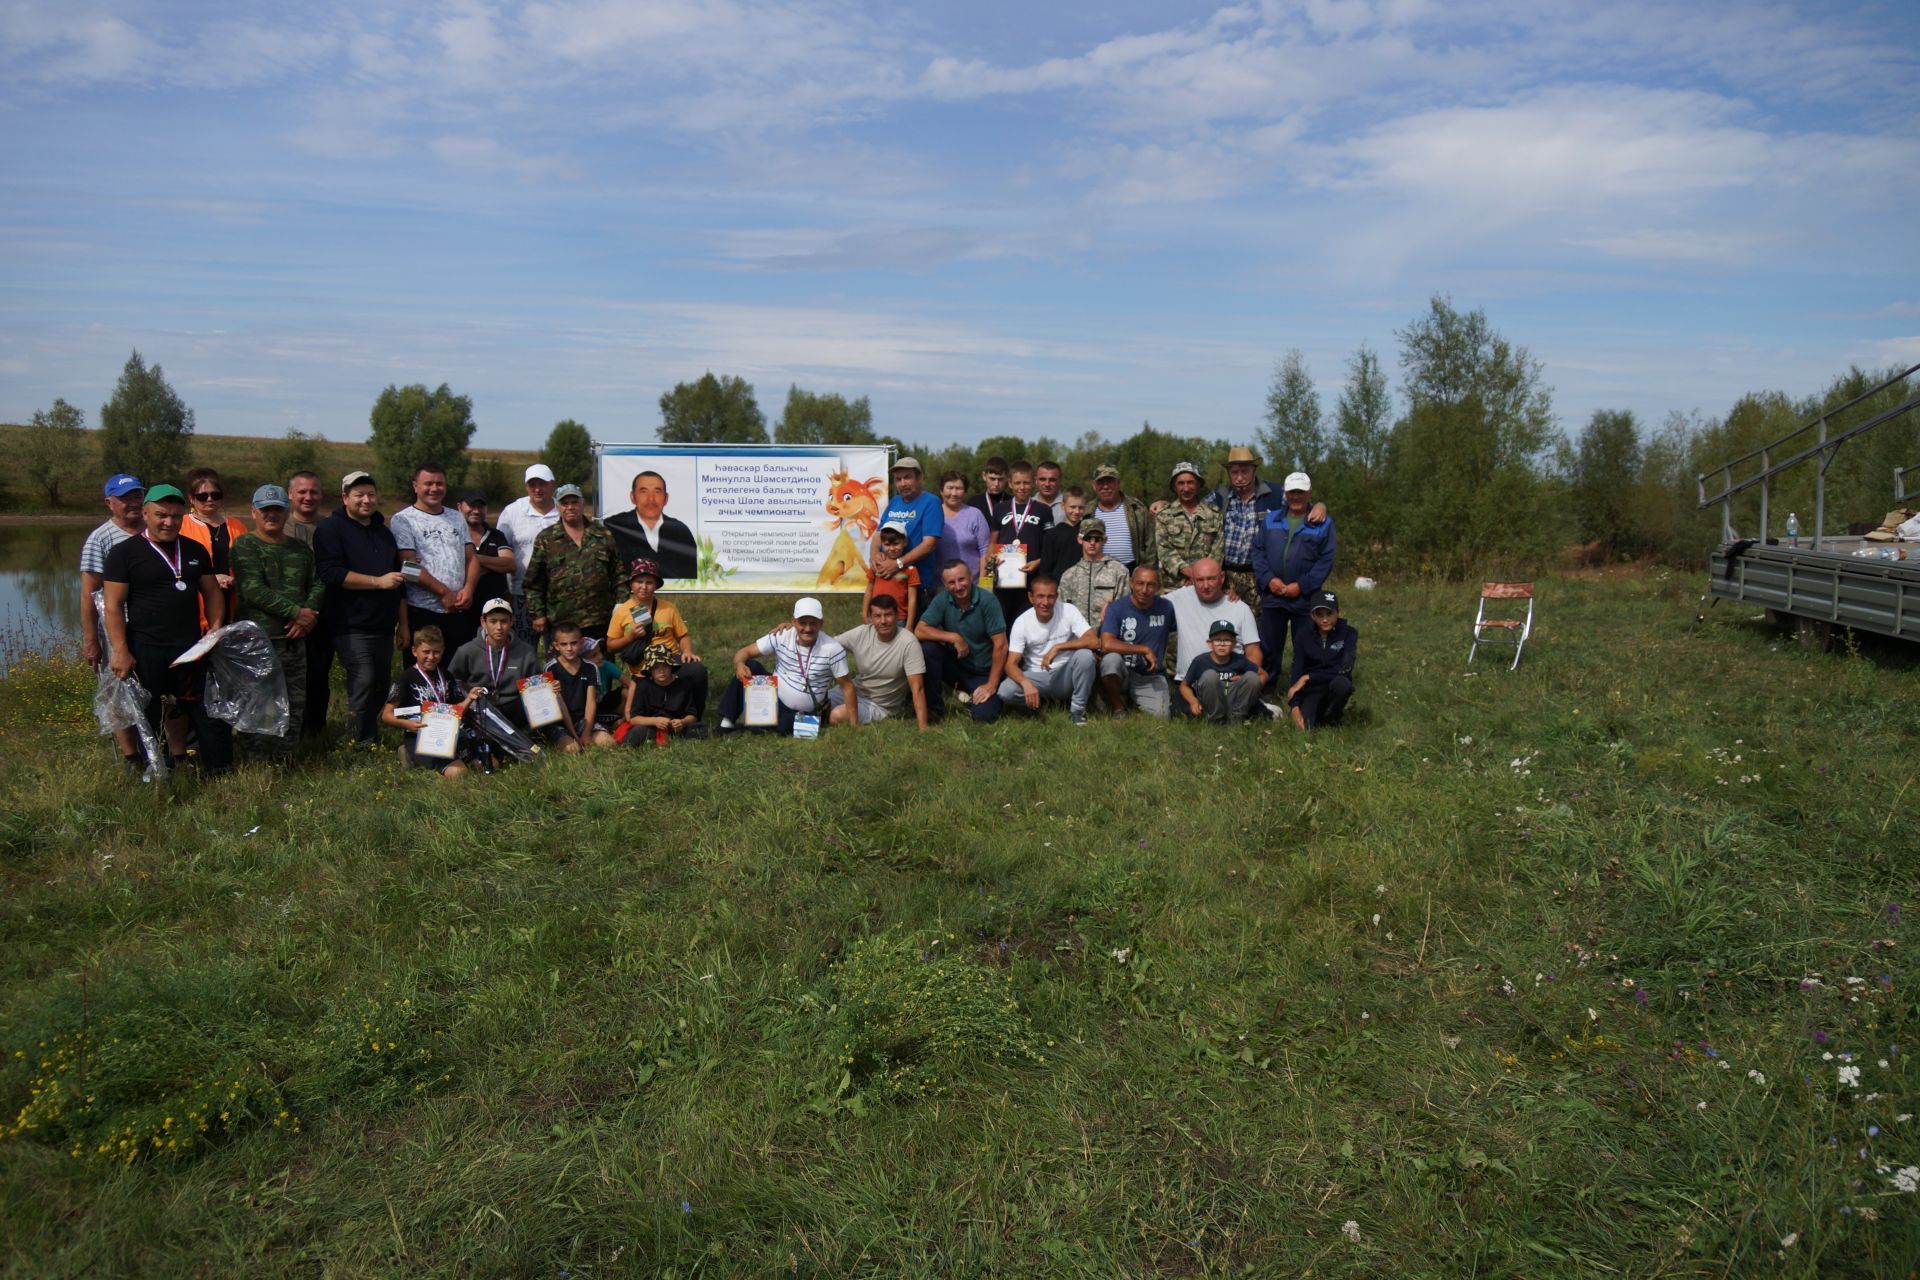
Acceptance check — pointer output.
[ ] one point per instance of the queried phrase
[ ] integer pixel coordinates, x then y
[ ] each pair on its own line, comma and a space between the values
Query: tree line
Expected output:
1461, 469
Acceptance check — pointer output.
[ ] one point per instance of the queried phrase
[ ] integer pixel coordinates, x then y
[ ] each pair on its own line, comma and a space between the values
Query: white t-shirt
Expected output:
441, 543
520, 524
805, 674
1032, 638
1191, 620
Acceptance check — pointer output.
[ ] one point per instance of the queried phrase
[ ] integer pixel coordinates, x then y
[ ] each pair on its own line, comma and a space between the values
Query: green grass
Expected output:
1489, 974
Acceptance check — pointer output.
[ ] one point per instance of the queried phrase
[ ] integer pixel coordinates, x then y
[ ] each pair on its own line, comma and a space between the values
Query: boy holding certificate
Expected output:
431, 743
495, 661
578, 692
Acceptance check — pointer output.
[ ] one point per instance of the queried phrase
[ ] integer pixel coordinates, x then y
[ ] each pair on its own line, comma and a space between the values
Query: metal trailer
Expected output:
1818, 583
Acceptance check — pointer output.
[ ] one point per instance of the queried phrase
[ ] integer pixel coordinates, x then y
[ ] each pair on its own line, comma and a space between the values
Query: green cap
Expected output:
166, 493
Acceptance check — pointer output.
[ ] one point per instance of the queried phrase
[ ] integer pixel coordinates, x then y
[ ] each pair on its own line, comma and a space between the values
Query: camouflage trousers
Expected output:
293, 663
1240, 582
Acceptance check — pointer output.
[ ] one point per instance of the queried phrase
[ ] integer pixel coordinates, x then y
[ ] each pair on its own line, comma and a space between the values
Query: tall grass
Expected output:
1529, 973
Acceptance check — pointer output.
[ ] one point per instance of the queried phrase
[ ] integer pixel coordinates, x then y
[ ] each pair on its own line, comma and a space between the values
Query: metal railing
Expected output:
1824, 446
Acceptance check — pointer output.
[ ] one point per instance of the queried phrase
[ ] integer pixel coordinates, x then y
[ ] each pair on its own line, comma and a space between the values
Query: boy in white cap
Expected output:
806, 667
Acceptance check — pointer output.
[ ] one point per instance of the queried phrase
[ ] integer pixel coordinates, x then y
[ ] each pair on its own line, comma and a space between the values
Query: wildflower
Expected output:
1376, 919
1873, 1131
1120, 954
1379, 888
1640, 996
1593, 1015
1351, 1230
1883, 1064
685, 1207
1850, 1076
1907, 1179
1789, 1240
1757, 1077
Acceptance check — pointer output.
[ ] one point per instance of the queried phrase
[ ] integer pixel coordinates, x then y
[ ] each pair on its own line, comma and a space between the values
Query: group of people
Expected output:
1024, 594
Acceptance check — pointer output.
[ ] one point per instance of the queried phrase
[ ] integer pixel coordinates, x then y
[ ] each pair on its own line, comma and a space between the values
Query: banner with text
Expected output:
746, 517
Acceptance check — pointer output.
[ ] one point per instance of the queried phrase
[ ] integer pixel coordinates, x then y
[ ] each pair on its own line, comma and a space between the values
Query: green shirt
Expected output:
977, 624
273, 582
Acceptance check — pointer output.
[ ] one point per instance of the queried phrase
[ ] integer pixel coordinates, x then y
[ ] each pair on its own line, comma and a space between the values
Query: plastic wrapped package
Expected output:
245, 685
492, 728
122, 704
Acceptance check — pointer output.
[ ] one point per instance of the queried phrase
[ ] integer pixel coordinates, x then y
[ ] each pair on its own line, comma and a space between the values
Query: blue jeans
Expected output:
943, 669
367, 657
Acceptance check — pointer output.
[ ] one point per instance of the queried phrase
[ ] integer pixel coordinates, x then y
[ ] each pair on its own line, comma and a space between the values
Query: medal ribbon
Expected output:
174, 562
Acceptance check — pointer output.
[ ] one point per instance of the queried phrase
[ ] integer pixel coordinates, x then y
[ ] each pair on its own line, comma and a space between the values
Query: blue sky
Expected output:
988, 217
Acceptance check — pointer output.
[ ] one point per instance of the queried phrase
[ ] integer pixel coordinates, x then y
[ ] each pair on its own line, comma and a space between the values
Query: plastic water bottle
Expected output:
1793, 528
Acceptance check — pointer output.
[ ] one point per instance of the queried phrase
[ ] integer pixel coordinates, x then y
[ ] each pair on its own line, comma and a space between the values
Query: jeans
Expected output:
733, 703
368, 659
319, 680
1148, 690
943, 669
1225, 702
1069, 680
1276, 624
1323, 701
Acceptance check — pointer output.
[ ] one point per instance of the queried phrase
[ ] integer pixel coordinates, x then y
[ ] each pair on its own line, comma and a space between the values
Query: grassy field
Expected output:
1598, 968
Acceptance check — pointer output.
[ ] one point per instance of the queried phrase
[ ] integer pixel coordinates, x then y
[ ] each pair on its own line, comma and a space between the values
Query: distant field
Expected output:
1603, 967
242, 460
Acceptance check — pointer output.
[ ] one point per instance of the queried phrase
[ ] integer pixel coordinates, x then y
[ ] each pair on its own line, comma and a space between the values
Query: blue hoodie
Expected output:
1304, 556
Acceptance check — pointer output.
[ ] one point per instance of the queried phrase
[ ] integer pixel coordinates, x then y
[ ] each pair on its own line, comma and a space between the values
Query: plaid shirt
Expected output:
1240, 521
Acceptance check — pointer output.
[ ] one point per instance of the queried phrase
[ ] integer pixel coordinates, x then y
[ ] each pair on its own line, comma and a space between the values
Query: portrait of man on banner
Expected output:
648, 532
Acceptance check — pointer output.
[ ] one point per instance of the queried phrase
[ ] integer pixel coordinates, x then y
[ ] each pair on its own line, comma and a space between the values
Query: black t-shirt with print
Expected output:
415, 687
574, 686
162, 610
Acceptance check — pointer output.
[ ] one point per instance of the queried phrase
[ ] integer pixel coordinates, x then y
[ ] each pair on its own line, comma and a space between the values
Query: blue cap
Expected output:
119, 486
269, 495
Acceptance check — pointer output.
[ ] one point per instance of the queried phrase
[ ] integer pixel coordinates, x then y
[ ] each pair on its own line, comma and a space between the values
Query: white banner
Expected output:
785, 518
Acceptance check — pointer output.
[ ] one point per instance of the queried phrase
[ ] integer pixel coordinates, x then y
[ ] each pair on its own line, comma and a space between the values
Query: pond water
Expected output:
40, 583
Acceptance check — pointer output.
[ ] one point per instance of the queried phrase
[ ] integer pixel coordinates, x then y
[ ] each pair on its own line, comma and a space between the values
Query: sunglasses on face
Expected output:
209, 495
1093, 538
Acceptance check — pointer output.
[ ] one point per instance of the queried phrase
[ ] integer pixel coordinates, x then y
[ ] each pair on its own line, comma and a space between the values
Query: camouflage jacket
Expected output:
1184, 536
568, 583
1091, 585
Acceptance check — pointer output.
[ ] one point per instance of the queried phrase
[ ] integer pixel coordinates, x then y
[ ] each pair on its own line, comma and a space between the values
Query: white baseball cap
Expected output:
1297, 480
808, 607
540, 471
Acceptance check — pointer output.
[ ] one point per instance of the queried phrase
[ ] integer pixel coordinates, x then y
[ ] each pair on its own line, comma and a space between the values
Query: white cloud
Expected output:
487, 155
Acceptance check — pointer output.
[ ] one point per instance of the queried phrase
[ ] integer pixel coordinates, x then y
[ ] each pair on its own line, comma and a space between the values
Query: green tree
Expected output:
1147, 457
1606, 471
1294, 438
145, 429
712, 411
827, 418
298, 451
568, 452
1363, 418
1465, 464
51, 447
412, 425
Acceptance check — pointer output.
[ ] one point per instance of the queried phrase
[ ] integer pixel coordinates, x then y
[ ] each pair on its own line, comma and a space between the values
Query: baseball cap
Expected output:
1093, 526
1106, 472
1223, 628
895, 526
1186, 467
906, 464
166, 493
472, 497
269, 495
353, 478
568, 491
1324, 600
1298, 480
1240, 453
540, 471
120, 485
807, 607
499, 604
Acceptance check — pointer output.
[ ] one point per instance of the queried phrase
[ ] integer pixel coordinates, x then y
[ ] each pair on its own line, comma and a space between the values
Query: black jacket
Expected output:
343, 545
678, 557
1322, 657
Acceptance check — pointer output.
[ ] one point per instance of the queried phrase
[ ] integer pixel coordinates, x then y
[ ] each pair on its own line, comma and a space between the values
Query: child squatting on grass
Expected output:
418, 685
659, 707
1322, 665
579, 682
1221, 685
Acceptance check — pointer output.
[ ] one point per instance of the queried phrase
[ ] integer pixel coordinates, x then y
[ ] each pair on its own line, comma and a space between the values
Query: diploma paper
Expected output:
1010, 570
440, 738
763, 702
540, 696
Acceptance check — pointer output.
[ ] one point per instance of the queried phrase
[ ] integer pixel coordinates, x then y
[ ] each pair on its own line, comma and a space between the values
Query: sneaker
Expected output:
1077, 717
962, 697
726, 725
1273, 712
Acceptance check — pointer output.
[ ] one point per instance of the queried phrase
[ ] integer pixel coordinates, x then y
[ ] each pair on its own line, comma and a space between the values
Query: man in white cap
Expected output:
521, 522
806, 667
924, 519
1292, 557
